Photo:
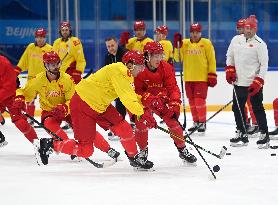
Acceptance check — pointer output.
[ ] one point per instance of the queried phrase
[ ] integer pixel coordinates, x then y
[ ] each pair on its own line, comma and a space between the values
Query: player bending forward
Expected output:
158, 87
91, 104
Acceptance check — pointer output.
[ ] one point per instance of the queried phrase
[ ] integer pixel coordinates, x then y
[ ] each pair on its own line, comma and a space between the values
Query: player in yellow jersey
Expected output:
138, 42
91, 104
31, 61
199, 67
70, 51
161, 35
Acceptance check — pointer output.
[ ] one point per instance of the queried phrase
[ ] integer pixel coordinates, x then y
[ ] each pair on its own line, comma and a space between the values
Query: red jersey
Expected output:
162, 80
7, 79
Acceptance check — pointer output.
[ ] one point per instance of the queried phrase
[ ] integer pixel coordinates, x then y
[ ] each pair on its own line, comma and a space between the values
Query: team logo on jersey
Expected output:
53, 93
75, 43
202, 46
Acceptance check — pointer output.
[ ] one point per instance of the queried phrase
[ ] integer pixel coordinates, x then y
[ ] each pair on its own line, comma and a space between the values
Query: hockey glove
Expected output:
75, 74
153, 102
59, 112
165, 99
148, 119
212, 79
173, 110
230, 74
19, 103
177, 38
256, 86
124, 38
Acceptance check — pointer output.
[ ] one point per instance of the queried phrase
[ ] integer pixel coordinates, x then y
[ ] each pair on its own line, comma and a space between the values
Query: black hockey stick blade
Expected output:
103, 164
273, 146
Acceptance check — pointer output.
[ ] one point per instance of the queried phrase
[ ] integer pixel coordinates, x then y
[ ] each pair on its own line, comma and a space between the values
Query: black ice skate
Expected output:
3, 141
113, 154
273, 134
239, 140
186, 156
43, 148
139, 163
202, 128
144, 153
253, 131
194, 127
263, 142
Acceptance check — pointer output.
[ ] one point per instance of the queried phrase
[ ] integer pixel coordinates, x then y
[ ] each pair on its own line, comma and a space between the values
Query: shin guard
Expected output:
101, 143
26, 129
201, 109
54, 126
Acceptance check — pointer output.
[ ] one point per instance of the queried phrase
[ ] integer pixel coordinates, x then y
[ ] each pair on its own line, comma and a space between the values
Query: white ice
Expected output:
247, 176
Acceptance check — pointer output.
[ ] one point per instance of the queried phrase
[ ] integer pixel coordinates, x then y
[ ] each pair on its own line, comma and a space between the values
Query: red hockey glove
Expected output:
19, 103
59, 112
173, 110
163, 97
124, 38
230, 74
256, 86
148, 119
153, 102
75, 75
212, 79
17, 70
177, 38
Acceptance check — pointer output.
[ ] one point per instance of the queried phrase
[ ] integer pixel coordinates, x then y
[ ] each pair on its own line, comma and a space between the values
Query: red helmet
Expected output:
240, 23
139, 25
162, 29
134, 57
51, 57
195, 27
153, 48
65, 24
251, 22
41, 32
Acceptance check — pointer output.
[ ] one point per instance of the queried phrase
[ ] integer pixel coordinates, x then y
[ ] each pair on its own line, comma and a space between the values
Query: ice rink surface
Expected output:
247, 176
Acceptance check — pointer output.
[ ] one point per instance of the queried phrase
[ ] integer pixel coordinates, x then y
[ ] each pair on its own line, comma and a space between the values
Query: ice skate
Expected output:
202, 128
112, 137
194, 127
239, 140
144, 153
274, 134
263, 142
253, 131
140, 164
43, 148
113, 154
186, 156
3, 141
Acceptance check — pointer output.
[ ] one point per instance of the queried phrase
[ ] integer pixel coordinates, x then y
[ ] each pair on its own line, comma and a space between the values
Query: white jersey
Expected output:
250, 58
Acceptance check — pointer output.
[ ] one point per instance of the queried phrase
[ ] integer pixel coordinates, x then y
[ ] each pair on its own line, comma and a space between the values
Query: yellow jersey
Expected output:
70, 51
167, 48
31, 59
51, 93
134, 44
198, 59
107, 84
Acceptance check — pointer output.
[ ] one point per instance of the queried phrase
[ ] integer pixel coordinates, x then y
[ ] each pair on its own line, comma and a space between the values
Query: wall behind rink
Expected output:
222, 93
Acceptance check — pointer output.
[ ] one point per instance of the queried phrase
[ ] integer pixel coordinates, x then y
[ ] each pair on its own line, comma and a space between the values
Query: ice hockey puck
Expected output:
273, 154
228, 153
216, 168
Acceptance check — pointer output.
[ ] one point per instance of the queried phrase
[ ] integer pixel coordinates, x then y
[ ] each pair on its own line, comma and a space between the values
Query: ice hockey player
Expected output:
7, 89
199, 71
161, 95
70, 51
275, 110
252, 129
138, 42
247, 77
31, 61
115, 54
161, 33
91, 104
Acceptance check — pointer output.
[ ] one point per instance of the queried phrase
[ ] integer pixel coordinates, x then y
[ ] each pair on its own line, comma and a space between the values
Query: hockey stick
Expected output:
219, 156
182, 89
241, 116
97, 165
197, 147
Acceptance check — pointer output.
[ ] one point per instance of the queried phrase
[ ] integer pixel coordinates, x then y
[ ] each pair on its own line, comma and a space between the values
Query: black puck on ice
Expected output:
273, 154
216, 168
228, 153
